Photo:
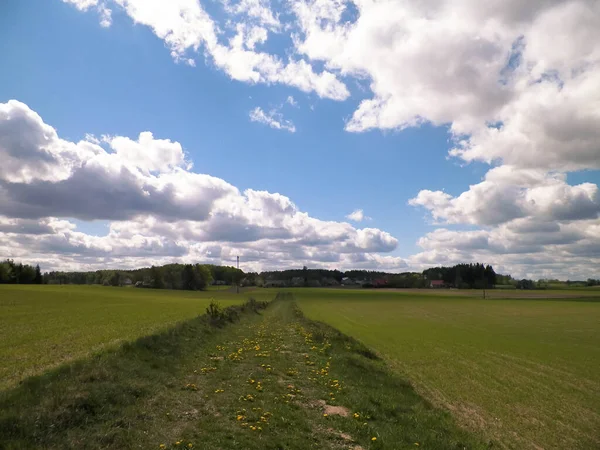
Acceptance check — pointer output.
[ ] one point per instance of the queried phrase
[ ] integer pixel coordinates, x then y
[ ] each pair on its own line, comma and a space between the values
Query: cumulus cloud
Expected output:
515, 82
509, 193
160, 211
273, 118
357, 215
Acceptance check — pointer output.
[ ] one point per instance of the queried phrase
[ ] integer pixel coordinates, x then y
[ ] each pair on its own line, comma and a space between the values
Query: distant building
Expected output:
437, 284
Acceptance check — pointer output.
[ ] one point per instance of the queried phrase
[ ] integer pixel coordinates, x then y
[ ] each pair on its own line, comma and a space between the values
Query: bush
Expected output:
218, 316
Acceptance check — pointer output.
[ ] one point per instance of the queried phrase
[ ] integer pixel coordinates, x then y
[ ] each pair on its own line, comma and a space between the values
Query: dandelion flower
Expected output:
162, 446
373, 438
324, 415
190, 445
177, 443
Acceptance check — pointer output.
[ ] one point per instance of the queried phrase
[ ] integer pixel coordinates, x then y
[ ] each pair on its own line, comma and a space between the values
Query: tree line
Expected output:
199, 276
170, 276
464, 276
19, 273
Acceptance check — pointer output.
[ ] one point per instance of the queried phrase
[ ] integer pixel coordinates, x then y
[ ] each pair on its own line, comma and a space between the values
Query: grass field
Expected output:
523, 372
43, 326
273, 380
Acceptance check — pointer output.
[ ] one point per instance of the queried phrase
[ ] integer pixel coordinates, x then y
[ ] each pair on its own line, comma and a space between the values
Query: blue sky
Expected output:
86, 79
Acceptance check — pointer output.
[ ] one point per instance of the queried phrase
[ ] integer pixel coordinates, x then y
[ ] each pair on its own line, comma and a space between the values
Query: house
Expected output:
437, 284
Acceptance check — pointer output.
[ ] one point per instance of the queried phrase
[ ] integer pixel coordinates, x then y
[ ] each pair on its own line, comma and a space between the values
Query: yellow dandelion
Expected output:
162, 446
324, 415
190, 445
373, 438
356, 415
417, 444
177, 443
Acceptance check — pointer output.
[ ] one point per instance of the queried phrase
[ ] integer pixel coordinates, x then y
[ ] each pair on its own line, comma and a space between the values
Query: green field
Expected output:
523, 372
258, 379
43, 326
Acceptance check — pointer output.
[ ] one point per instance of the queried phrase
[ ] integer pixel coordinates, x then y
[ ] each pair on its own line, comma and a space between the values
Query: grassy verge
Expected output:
273, 380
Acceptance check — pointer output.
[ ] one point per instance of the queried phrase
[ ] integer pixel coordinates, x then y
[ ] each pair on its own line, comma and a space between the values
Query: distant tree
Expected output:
188, 278
4, 272
114, 279
156, 278
38, 275
204, 277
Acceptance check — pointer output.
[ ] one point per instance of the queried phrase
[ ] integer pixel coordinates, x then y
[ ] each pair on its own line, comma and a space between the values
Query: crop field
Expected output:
525, 373
44, 326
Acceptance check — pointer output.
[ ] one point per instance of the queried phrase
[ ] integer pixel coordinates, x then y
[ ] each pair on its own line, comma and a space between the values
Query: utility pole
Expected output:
238, 280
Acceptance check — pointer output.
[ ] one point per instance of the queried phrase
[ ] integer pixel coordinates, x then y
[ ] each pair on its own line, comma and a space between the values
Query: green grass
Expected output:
267, 382
43, 326
523, 372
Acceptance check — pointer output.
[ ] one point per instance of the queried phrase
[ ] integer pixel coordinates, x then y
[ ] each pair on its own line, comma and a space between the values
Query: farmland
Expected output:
270, 379
43, 326
126, 367
523, 372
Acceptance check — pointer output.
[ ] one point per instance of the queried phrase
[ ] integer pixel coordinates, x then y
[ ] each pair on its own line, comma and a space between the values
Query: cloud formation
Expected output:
159, 210
273, 118
515, 82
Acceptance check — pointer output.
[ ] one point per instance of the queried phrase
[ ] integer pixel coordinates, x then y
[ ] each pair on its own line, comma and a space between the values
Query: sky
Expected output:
384, 135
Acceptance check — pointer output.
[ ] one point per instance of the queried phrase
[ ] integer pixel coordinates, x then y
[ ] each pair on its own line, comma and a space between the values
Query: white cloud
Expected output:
291, 101
258, 10
105, 16
186, 28
357, 215
509, 193
516, 83
159, 210
273, 118
82, 5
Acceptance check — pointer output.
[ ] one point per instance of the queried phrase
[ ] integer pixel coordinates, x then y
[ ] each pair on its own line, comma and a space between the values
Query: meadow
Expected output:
44, 326
525, 373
